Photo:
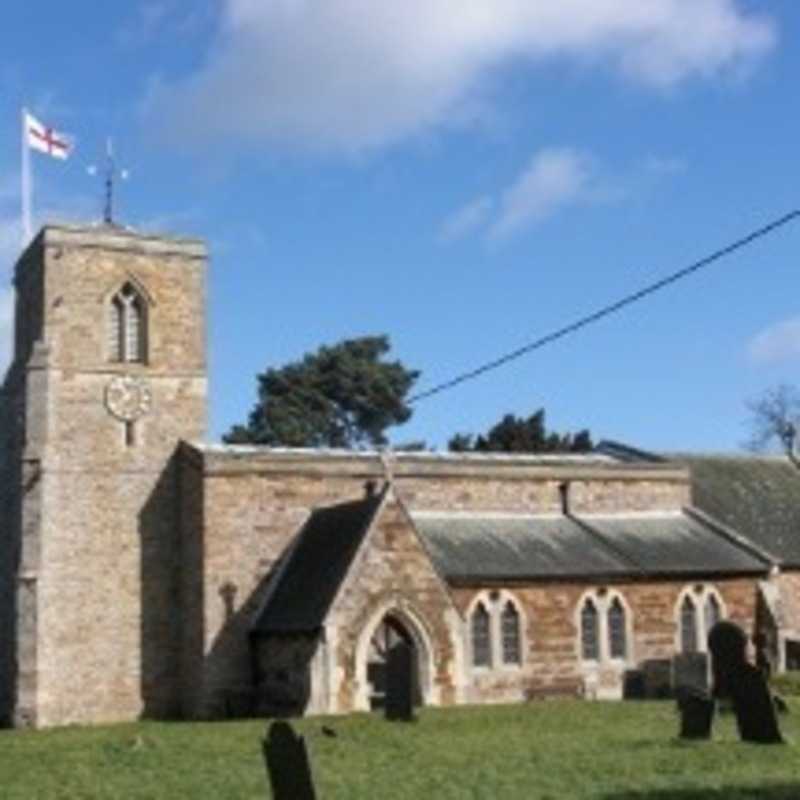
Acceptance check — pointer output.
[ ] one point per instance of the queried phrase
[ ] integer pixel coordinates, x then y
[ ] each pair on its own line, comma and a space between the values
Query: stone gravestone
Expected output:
288, 765
697, 715
690, 673
690, 679
400, 683
657, 677
743, 683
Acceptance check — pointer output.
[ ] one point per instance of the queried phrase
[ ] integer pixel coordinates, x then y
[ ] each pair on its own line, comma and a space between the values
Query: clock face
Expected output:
128, 397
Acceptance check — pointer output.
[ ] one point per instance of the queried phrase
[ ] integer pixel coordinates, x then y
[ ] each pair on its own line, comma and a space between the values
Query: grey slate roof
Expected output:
492, 547
758, 497
673, 544
306, 586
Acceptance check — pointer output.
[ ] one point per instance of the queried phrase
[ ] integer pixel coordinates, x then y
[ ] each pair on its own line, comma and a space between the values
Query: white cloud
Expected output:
466, 219
354, 74
779, 342
148, 21
555, 177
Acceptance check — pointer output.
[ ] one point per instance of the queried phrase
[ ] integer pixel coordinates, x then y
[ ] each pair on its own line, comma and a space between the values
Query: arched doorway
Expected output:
390, 631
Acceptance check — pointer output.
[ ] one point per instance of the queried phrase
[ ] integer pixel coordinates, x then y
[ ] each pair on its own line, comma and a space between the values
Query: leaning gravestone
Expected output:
399, 704
288, 764
743, 683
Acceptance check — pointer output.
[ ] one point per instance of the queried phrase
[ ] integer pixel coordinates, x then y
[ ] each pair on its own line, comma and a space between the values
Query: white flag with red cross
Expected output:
46, 140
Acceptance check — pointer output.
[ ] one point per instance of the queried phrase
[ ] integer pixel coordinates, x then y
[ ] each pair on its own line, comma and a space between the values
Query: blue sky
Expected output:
463, 176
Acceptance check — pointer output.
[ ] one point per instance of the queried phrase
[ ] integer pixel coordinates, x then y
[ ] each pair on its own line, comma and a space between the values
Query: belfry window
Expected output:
127, 326
481, 637
509, 628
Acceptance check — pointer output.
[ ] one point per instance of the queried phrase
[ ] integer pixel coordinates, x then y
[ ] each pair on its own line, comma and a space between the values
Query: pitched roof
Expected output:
306, 585
673, 544
484, 547
757, 497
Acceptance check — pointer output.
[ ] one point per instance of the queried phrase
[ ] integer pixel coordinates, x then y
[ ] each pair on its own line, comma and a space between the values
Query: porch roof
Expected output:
305, 586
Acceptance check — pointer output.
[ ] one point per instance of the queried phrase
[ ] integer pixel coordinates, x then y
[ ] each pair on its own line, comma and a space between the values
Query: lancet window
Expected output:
496, 631
481, 637
509, 628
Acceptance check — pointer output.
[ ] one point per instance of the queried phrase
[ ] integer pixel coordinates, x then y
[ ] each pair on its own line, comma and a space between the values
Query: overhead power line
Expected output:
608, 310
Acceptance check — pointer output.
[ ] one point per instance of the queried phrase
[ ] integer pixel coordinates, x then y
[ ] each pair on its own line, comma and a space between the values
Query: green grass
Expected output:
553, 749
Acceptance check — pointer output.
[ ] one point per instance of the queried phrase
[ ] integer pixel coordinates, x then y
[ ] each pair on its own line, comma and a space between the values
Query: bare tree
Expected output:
776, 417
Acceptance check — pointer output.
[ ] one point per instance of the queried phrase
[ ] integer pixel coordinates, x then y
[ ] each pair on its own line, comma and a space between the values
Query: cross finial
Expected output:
111, 173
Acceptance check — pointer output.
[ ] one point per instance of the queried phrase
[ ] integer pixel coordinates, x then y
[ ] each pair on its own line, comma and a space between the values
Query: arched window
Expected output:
712, 613
509, 628
481, 637
590, 639
127, 326
688, 626
617, 644
699, 608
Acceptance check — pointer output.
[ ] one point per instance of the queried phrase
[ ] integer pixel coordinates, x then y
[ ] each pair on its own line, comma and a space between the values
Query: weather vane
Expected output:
111, 173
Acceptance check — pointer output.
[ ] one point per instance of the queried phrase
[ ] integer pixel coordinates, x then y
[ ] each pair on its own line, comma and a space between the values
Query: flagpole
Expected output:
27, 183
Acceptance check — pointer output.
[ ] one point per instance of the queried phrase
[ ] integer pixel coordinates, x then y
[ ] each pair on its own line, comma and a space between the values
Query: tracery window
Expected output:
509, 627
604, 621
590, 634
617, 640
496, 631
127, 326
699, 608
481, 637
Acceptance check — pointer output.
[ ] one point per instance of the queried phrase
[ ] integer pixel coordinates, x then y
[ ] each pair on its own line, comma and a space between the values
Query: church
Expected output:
145, 572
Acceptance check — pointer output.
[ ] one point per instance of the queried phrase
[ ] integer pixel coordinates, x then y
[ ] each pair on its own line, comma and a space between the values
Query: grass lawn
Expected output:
553, 749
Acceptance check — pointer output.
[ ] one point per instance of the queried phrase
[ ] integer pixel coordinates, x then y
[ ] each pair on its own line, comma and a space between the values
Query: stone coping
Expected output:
238, 459
112, 237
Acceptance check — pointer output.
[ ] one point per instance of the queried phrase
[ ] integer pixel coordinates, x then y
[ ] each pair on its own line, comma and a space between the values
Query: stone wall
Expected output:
552, 661
256, 500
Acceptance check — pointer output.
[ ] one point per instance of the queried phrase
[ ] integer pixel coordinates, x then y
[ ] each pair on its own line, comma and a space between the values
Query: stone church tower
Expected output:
108, 374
